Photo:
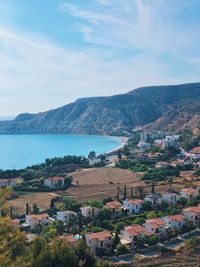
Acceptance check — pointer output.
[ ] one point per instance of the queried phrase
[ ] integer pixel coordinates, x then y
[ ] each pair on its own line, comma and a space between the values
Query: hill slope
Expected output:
156, 107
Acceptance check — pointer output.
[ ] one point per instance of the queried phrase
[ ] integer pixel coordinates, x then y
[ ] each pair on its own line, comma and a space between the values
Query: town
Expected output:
134, 222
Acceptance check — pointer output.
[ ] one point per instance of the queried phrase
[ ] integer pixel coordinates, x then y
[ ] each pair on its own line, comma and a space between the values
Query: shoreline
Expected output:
122, 140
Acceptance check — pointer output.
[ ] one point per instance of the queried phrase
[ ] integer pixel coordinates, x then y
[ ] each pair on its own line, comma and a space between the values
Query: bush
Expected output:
122, 249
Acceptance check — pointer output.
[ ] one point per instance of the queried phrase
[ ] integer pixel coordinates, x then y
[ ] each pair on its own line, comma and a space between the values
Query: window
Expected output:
101, 243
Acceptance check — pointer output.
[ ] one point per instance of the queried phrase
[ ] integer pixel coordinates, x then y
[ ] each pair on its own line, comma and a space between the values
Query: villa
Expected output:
99, 242
65, 216
90, 212
189, 193
171, 198
174, 221
156, 226
133, 205
54, 182
34, 220
192, 214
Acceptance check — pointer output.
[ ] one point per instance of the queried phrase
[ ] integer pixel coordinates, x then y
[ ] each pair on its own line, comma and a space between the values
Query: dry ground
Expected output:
96, 183
42, 200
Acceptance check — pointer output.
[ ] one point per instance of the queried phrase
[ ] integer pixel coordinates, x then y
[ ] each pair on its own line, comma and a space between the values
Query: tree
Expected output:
122, 249
151, 215
35, 209
119, 226
92, 154
140, 191
105, 214
170, 181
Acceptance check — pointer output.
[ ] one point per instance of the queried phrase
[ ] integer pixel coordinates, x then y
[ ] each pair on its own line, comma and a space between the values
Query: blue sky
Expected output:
53, 52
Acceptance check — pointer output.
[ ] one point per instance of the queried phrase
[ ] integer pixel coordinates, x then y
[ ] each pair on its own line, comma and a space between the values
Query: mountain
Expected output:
172, 108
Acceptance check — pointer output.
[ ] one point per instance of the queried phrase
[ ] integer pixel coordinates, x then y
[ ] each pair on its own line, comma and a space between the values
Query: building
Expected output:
195, 152
71, 239
171, 198
156, 226
133, 205
154, 198
192, 214
15, 223
189, 193
90, 212
174, 221
8, 182
115, 206
34, 220
162, 164
100, 242
54, 182
143, 145
65, 216
171, 141
130, 234
93, 161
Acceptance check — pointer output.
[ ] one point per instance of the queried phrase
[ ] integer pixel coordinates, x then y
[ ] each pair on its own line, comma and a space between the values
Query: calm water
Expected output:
19, 151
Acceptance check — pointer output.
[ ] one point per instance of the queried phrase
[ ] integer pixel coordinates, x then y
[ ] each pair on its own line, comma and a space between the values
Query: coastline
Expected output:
122, 140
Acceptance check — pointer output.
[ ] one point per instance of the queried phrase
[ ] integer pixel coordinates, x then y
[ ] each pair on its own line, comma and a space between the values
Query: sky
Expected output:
53, 52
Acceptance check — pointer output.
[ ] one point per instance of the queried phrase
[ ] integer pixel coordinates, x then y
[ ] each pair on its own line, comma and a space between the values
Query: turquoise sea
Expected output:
22, 150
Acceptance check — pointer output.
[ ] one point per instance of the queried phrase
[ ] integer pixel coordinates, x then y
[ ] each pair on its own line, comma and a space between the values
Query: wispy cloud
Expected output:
126, 44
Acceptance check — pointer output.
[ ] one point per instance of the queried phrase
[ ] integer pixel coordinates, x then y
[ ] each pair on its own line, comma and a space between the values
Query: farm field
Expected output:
96, 183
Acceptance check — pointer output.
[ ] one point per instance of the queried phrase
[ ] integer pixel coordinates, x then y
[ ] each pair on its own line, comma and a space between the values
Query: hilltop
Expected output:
170, 108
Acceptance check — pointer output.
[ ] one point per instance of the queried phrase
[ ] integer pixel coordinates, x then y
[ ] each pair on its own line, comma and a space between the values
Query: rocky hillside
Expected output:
156, 107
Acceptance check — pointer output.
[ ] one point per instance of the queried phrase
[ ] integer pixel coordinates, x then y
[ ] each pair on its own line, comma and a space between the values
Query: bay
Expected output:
22, 150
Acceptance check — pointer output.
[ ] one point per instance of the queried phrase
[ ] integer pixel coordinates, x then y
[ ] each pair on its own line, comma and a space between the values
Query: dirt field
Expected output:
95, 183
42, 200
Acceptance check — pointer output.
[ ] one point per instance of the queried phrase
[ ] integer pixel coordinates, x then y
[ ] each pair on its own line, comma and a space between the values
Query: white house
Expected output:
99, 242
154, 198
171, 141
54, 182
156, 226
90, 212
34, 220
162, 164
143, 145
93, 161
8, 182
133, 205
130, 234
174, 221
189, 193
171, 198
192, 214
65, 216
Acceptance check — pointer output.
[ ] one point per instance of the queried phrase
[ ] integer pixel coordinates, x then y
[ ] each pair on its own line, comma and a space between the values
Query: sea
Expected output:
21, 150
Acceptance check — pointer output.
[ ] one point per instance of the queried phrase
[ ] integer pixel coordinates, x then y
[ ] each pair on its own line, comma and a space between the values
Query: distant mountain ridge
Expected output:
172, 108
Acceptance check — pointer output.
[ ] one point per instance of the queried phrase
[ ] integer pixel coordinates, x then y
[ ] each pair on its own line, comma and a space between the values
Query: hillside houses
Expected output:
156, 226
175, 221
99, 242
133, 205
54, 182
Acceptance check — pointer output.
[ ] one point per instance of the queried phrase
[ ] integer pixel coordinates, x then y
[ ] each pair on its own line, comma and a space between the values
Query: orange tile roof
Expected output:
70, 238
155, 222
189, 190
15, 221
195, 210
135, 229
135, 201
177, 217
196, 150
100, 235
39, 216
114, 204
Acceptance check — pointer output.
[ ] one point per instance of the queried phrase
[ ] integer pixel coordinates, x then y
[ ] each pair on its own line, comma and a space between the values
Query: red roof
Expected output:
15, 222
100, 235
195, 210
114, 204
135, 201
196, 150
177, 217
70, 238
155, 222
189, 190
56, 178
39, 216
135, 229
